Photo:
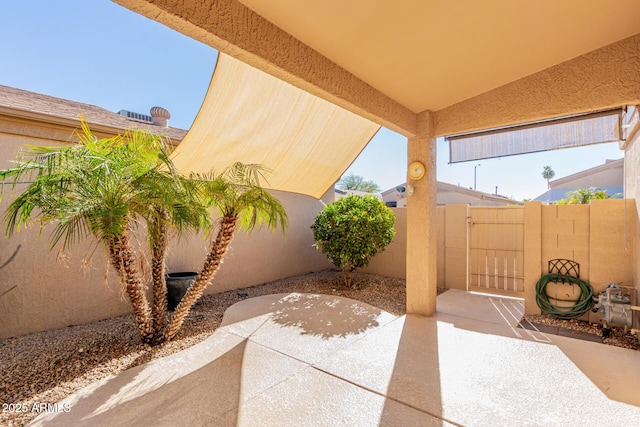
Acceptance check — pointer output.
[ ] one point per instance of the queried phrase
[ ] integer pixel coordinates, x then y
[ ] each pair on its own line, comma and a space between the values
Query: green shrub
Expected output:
353, 229
584, 196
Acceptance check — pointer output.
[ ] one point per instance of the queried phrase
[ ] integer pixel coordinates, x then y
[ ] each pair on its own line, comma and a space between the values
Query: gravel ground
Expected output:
46, 367
617, 336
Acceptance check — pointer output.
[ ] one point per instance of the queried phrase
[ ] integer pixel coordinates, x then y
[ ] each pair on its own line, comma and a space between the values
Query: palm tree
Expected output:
583, 196
177, 209
548, 174
239, 201
102, 188
357, 183
105, 188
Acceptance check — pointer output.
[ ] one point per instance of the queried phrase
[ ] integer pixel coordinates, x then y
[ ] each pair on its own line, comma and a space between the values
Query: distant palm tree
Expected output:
357, 183
548, 174
239, 201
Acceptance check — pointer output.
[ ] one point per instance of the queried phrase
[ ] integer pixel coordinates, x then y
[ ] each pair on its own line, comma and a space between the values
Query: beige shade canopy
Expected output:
255, 118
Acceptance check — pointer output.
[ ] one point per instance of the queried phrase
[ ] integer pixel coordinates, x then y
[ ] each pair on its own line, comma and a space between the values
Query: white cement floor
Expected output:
311, 360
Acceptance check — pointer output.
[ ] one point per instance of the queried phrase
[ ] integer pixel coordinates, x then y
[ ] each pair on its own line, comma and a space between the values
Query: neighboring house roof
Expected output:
344, 193
446, 187
609, 165
608, 177
462, 194
35, 106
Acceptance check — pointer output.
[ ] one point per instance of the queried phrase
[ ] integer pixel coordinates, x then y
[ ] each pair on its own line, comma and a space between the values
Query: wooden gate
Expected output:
495, 250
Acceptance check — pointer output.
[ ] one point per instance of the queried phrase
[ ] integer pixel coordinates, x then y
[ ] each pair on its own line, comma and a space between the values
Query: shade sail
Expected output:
252, 117
576, 131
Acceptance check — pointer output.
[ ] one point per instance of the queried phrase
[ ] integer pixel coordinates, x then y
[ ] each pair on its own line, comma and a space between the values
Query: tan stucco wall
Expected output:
49, 293
456, 247
632, 191
392, 262
451, 245
532, 253
262, 255
599, 236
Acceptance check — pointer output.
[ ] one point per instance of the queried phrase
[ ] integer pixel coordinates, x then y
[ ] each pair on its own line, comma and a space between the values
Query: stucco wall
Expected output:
262, 255
392, 262
456, 247
49, 290
451, 248
632, 191
599, 236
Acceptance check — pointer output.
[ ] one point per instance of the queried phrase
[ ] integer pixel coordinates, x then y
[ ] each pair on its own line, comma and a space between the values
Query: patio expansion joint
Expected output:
386, 397
338, 377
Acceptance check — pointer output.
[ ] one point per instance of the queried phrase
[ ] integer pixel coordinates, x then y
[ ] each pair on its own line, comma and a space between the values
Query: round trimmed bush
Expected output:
351, 230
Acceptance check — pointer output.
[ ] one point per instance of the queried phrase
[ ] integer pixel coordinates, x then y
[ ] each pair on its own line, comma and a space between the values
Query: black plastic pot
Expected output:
177, 285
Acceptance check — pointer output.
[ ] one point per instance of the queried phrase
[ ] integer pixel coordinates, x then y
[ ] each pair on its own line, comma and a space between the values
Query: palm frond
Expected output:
237, 193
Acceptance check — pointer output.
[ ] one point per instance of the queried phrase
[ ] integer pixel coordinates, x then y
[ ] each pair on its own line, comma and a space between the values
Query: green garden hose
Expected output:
581, 305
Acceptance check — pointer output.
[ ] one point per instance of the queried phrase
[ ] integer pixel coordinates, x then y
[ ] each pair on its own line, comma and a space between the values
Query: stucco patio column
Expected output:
421, 222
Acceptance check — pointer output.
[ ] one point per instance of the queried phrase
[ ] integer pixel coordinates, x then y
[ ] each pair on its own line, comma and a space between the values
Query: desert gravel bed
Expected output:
617, 336
46, 367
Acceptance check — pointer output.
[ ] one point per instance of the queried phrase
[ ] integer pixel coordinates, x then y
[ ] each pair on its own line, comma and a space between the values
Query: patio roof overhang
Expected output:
474, 65
429, 68
461, 66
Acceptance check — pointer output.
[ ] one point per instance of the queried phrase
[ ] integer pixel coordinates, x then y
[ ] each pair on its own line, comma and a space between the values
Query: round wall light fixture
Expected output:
416, 170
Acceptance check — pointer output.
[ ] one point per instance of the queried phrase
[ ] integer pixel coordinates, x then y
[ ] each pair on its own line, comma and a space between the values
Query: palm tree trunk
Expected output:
123, 259
211, 265
159, 245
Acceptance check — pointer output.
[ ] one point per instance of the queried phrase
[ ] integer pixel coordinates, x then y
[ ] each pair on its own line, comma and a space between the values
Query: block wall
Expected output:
600, 237
42, 289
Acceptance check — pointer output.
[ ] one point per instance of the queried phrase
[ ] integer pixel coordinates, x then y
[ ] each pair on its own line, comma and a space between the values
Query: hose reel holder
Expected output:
565, 272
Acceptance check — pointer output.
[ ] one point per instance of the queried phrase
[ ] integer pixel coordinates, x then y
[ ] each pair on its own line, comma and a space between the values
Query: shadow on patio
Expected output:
299, 359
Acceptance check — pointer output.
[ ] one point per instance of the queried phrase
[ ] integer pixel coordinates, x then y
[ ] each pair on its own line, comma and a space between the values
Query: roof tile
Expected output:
63, 108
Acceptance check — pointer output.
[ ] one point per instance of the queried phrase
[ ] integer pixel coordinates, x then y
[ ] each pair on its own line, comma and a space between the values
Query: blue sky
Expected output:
100, 53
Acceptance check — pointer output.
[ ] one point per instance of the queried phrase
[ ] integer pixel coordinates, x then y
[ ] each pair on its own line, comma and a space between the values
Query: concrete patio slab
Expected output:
482, 307
320, 360
314, 399
474, 378
306, 327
